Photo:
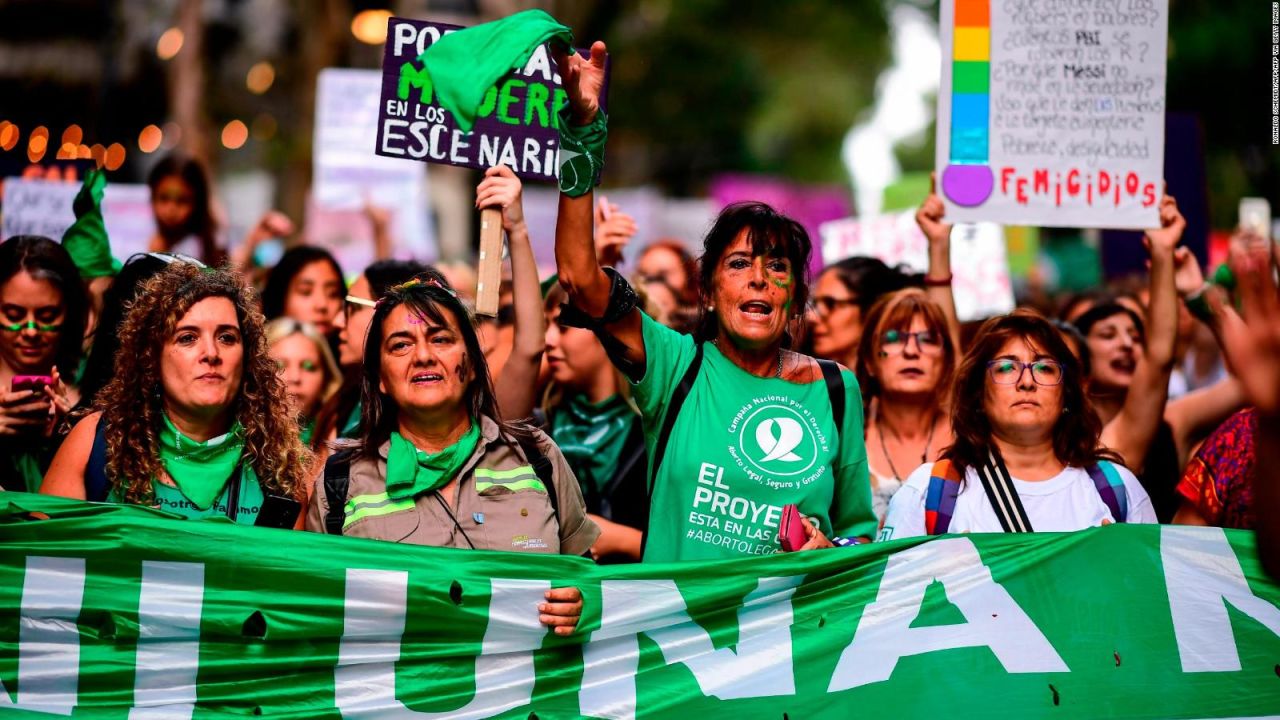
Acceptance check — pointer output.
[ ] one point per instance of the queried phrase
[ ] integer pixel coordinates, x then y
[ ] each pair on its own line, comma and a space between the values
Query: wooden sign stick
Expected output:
489, 271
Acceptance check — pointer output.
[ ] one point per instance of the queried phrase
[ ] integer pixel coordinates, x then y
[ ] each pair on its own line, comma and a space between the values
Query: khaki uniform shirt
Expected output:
499, 503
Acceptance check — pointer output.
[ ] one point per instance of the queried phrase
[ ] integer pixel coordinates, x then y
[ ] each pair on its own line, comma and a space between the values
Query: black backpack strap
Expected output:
678, 396
673, 409
337, 480
541, 467
96, 484
835, 389
1002, 495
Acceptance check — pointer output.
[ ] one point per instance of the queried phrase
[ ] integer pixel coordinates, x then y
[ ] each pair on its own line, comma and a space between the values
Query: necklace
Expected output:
777, 373
884, 449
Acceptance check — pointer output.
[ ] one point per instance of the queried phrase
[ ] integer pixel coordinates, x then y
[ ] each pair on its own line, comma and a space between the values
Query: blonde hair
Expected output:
283, 327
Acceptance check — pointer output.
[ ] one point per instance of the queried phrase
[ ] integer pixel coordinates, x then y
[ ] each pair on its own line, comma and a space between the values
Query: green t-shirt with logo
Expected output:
741, 448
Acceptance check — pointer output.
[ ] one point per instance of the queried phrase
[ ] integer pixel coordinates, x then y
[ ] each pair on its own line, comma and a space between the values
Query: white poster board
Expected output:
1052, 114
979, 266
43, 207
347, 174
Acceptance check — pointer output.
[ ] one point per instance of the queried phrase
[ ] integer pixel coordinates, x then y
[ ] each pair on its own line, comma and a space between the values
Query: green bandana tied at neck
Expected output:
411, 472
86, 240
200, 469
592, 438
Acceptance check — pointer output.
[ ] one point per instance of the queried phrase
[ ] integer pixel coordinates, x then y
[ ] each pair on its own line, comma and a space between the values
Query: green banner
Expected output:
124, 612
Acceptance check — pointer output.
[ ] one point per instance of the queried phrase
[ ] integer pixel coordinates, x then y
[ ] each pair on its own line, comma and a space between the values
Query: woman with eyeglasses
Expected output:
846, 290
1026, 455
906, 360
44, 307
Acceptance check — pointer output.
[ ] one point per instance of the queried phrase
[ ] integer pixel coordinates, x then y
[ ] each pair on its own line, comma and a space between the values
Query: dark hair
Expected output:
1076, 432
291, 263
428, 296
770, 233
99, 367
1104, 310
1072, 335
382, 276
1090, 297
386, 274
201, 223
894, 312
868, 279
47, 260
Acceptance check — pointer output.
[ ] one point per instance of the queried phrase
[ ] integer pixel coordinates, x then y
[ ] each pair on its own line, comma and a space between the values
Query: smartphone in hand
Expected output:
791, 533
34, 383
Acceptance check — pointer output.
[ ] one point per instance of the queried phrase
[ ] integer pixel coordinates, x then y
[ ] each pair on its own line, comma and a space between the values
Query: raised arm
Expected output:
272, 224
1251, 344
1132, 430
519, 379
937, 278
579, 269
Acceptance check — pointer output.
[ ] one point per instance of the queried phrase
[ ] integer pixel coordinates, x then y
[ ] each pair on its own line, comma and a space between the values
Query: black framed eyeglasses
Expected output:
1007, 371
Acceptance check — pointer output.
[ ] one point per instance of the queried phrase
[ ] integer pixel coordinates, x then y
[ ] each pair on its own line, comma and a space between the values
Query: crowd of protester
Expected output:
590, 416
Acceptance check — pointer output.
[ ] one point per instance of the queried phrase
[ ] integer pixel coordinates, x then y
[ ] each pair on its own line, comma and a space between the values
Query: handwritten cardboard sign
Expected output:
1052, 114
42, 207
515, 126
346, 176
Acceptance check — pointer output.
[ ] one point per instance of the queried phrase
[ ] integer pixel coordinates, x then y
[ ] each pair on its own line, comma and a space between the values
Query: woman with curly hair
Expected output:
196, 421
1026, 454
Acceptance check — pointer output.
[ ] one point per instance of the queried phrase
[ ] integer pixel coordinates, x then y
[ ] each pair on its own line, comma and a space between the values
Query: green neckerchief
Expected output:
29, 467
350, 429
200, 469
307, 432
86, 240
411, 472
592, 437
463, 65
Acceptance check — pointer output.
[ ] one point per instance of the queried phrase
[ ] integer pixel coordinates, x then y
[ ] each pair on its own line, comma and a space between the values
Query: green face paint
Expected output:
32, 324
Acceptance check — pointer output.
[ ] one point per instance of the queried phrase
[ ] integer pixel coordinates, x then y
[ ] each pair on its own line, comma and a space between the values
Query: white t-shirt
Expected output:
1066, 502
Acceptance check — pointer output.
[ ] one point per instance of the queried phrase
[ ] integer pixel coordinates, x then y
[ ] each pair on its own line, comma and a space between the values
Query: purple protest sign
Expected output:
515, 125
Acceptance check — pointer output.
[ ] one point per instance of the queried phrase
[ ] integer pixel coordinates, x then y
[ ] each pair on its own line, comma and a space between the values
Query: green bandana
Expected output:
411, 472
350, 429
200, 470
581, 153
86, 240
592, 437
465, 64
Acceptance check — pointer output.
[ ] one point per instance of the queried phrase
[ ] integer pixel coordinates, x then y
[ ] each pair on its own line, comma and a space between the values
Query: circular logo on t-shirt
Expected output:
778, 441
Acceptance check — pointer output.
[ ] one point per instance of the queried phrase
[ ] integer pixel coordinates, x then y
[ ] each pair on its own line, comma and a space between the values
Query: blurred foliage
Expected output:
702, 86
1220, 69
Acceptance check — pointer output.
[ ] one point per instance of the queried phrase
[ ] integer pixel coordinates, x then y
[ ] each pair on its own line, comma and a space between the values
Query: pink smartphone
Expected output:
34, 383
791, 533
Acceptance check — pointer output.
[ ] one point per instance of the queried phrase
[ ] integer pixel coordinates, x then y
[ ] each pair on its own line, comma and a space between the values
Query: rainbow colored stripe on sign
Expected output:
967, 180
